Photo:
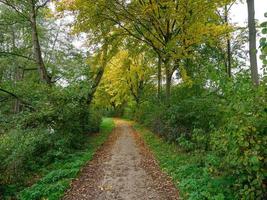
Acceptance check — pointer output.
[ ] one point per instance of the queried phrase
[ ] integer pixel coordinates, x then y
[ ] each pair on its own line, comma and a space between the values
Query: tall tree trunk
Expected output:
168, 73
229, 54
168, 87
98, 77
159, 76
252, 42
36, 46
16, 78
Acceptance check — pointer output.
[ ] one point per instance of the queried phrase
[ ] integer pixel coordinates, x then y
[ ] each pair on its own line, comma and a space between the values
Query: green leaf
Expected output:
254, 160
262, 57
263, 41
264, 31
264, 24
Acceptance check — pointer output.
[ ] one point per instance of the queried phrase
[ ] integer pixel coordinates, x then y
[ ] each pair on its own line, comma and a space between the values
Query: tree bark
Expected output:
168, 86
98, 77
17, 76
168, 72
36, 46
159, 76
252, 42
228, 64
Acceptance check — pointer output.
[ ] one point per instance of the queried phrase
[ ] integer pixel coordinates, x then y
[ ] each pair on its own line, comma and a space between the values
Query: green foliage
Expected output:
192, 111
58, 174
55, 127
263, 45
231, 124
18, 152
242, 139
214, 122
192, 172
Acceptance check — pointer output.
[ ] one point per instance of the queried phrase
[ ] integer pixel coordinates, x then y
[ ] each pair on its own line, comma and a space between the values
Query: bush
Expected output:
19, 152
192, 113
242, 140
231, 123
56, 127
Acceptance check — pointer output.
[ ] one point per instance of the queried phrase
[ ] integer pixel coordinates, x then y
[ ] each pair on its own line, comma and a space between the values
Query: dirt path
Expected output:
123, 169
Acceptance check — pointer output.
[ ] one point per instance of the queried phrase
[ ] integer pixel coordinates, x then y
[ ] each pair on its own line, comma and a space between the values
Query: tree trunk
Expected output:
37, 48
252, 42
168, 87
168, 73
98, 77
95, 84
16, 104
159, 76
228, 64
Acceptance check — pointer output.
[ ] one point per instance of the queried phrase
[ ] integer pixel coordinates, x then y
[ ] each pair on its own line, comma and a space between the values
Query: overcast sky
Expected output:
239, 15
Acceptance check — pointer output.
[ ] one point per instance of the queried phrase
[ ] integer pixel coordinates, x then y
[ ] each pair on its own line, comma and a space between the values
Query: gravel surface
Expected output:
122, 169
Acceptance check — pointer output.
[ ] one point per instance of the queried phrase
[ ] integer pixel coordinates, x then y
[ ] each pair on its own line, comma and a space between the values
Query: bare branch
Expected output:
42, 5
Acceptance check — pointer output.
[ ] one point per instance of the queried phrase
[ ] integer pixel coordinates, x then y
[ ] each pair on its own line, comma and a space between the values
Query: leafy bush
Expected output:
242, 139
192, 172
20, 151
192, 113
56, 157
55, 128
62, 109
231, 123
58, 177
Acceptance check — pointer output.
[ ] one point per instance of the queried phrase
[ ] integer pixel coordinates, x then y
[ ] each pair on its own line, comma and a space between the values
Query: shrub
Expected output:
19, 152
242, 140
55, 128
230, 122
191, 115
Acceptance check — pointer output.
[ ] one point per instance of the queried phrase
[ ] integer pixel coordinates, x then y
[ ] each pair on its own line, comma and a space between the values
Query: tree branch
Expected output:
18, 98
42, 5
7, 3
15, 54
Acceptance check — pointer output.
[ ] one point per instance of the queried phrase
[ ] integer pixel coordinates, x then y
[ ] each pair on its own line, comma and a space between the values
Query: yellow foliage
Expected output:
122, 77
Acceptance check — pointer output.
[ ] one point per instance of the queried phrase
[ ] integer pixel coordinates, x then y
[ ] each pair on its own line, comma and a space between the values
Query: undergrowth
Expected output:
192, 172
56, 177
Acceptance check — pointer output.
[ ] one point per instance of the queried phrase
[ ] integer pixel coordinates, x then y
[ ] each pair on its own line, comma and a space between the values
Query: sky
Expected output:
239, 11
239, 15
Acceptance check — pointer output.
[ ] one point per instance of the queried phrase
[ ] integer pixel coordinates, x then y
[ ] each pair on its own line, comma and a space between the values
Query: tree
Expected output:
28, 11
252, 43
170, 28
125, 79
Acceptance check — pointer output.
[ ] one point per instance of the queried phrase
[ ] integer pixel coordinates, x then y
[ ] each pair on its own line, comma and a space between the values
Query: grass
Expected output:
192, 172
56, 178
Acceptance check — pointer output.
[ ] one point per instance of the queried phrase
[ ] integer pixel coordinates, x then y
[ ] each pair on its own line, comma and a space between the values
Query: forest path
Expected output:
122, 169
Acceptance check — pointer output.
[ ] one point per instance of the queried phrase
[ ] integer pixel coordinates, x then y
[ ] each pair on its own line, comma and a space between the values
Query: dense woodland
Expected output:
178, 67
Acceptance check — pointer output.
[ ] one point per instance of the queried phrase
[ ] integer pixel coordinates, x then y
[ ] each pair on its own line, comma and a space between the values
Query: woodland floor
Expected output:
122, 169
